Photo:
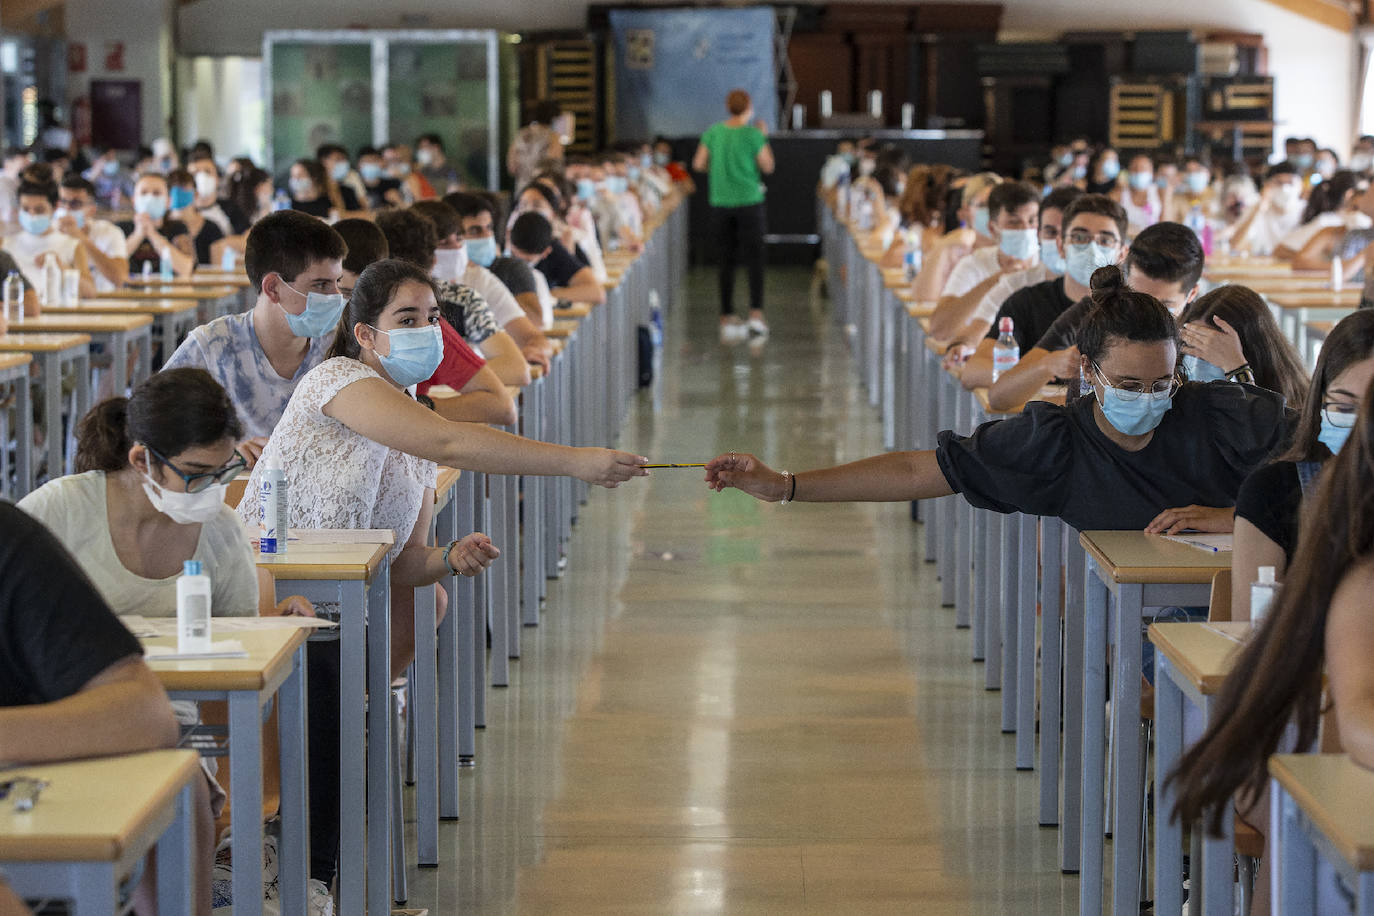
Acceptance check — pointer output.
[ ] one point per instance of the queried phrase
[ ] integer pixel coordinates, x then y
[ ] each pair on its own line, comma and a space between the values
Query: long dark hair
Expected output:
1289, 648
172, 411
242, 188
1351, 340
1330, 194
1275, 362
373, 292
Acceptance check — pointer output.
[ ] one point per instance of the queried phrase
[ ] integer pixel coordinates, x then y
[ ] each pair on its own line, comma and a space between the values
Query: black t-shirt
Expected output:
515, 274
238, 220
145, 252
1053, 460
1032, 310
1271, 500
56, 632
349, 198
208, 235
376, 193
1063, 333
318, 207
558, 266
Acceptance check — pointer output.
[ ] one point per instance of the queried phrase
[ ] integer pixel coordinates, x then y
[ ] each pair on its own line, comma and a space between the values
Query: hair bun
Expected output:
1107, 283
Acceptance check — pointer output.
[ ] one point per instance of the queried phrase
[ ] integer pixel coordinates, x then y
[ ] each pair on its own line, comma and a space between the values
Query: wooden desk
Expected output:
1143, 571
172, 318
95, 821
356, 579
274, 667
1192, 660
1320, 807
115, 332
185, 289
52, 352
16, 399
573, 310
1296, 309
201, 278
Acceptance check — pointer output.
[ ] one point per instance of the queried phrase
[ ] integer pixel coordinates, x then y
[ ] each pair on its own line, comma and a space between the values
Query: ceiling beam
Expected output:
1341, 15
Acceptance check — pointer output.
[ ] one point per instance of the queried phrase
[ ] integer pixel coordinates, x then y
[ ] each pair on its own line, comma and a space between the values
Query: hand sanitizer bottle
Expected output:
193, 610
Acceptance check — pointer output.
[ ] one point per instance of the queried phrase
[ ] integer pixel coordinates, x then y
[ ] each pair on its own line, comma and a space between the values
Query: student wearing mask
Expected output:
1103, 174
1093, 237
224, 212
1014, 209
973, 233
1140, 196
40, 240
477, 217
1327, 163
1333, 209
411, 237
342, 180
433, 166
1193, 201
569, 279
480, 395
203, 237
1277, 213
151, 235
451, 263
112, 182
1362, 157
106, 249
1304, 157
294, 262
1318, 625
380, 190
918, 206
309, 189
1138, 441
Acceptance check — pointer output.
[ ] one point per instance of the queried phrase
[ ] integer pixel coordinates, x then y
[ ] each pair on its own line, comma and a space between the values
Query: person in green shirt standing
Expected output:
734, 154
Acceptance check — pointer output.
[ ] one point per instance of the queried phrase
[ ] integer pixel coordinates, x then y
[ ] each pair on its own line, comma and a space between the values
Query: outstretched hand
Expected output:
604, 467
746, 473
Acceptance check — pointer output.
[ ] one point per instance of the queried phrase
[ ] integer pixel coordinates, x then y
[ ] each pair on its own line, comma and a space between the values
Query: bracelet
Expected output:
448, 550
1242, 373
790, 481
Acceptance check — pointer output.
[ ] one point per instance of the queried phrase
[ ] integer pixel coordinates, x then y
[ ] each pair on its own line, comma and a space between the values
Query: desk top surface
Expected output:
109, 306
1202, 652
1316, 299
14, 360
174, 291
47, 342
200, 278
1135, 557
267, 665
350, 562
71, 321
1337, 795
97, 810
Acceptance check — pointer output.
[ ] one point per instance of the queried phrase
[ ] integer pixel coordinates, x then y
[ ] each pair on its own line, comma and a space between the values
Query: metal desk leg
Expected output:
1293, 879
964, 590
293, 722
1127, 778
353, 815
1051, 666
977, 525
379, 757
1074, 614
1094, 741
424, 722
495, 584
471, 683
1024, 674
81, 366
245, 761
50, 365
175, 848
1011, 585
1169, 704
451, 682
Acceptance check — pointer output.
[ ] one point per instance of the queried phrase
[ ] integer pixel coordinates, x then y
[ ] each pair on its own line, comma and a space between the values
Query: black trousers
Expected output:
739, 240
322, 677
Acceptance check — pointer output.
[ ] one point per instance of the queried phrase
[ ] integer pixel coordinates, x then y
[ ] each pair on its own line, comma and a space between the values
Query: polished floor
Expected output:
739, 708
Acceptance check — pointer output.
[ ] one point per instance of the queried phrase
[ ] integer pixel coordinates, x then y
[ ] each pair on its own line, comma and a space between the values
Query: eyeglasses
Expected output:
1158, 390
1084, 237
195, 483
1340, 414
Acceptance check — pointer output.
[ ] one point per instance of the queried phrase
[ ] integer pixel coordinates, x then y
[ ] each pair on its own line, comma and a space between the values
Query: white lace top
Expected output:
338, 478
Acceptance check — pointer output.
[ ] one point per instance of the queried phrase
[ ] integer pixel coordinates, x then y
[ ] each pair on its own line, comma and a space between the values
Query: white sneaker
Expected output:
733, 332
757, 328
318, 900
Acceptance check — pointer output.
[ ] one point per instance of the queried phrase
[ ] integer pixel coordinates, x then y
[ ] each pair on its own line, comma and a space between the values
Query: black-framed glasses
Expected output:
1340, 413
1157, 390
195, 483
1084, 237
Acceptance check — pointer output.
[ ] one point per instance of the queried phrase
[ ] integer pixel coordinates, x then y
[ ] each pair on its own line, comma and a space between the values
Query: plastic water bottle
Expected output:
229, 260
274, 510
655, 319
913, 257
52, 282
193, 609
1005, 353
165, 269
147, 270
14, 297
1337, 275
281, 201
1262, 593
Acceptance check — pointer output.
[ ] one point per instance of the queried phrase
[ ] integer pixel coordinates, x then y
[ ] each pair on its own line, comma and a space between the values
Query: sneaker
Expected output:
222, 876
733, 332
757, 328
318, 900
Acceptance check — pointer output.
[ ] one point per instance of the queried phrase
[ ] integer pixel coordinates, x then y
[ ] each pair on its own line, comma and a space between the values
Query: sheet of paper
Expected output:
1213, 543
226, 648
149, 627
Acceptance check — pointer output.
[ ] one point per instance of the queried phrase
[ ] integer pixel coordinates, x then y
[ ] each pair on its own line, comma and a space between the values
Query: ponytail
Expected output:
102, 437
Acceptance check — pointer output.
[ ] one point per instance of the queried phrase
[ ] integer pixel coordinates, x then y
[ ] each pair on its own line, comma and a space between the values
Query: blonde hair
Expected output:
978, 184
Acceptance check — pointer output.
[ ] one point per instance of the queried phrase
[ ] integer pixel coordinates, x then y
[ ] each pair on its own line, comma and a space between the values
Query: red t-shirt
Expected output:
459, 365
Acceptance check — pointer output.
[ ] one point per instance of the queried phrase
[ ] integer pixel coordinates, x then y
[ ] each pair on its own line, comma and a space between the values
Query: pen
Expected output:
673, 465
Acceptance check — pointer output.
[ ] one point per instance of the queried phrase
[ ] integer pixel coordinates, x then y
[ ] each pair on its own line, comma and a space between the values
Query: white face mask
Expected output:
207, 185
185, 508
449, 263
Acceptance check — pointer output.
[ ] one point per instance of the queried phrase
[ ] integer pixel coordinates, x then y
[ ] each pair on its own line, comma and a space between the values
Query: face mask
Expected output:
1162, 182
1051, 258
33, 223
617, 184
400, 169
1079, 171
1286, 193
848, 158
1133, 418
339, 170
1303, 161
632, 173
207, 185
321, 315
646, 160
1333, 436
980, 220
182, 198
661, 159
1199, 370
1360, 162
110, 168
1198, 181
415, 354
1326, 169
1141, 180
586, 189
1110, 169
370, 171
154, 205
481, 251
1021, 244
300, 186
866, 166
424, 157
449, 263
1065, 160
62, 213
185, 508
1081, 260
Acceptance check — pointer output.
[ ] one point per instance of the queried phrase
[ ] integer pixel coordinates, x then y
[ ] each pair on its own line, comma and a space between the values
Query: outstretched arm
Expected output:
892, 477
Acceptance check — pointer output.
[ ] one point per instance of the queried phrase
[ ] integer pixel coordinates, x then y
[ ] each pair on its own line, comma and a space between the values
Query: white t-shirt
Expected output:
503, 306
1350, 219
971, 270
338, 478
1142, 217
110, 242
546, 298
74, 509
28, 248
1272, 224
992, 301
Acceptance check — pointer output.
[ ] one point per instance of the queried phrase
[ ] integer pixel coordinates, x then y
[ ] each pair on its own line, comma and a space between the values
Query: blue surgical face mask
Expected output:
1333, 436
1082, 260
182, 198
78, 215
321, 315
154, 205
34, 223
339, 170
1199, 370
1141, 180
1065, 159
1019, 243
111, 168
661, 159
586, 189
300, 186
1051, 258
370, 171
1303, 161
1110, 169
1132, 417
980, 221
482, 251
632, 173
617, 184
1198, 181
415, 354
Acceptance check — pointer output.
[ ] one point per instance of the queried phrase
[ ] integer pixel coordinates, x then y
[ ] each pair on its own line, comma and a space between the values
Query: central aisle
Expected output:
733, 707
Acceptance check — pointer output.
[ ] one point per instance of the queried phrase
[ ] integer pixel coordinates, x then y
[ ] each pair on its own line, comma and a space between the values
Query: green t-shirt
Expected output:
733, 169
